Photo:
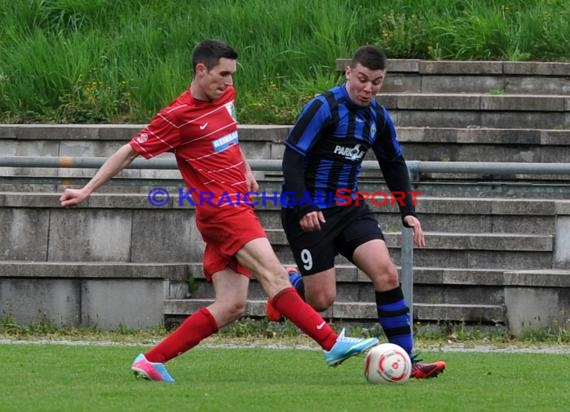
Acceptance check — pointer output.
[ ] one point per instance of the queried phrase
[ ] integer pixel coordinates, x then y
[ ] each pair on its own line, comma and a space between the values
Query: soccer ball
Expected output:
387, 363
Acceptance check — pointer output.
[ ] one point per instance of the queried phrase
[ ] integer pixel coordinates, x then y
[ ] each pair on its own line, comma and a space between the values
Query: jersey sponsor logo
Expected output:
203, 126
224, 142
231, 110
350, 153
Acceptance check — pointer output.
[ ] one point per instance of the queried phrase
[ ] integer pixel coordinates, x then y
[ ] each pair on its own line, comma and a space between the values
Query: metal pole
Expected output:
407, 270
415, 167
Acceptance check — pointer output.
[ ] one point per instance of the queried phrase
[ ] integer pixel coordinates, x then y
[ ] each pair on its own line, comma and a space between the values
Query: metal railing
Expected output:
415, 168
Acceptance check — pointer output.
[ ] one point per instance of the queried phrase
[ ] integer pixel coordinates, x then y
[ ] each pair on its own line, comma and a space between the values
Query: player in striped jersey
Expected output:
325, 215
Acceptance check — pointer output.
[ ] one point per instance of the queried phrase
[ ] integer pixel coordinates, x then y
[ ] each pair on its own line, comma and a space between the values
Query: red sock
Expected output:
196, 327
290, 304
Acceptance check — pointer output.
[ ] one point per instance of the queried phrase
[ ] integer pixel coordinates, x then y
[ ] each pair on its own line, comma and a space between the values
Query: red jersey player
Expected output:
200, 128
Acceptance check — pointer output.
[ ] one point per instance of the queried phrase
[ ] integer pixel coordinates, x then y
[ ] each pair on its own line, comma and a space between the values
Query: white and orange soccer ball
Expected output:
387, 363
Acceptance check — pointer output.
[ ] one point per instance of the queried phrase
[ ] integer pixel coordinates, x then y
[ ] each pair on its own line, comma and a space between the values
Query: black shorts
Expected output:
346, 228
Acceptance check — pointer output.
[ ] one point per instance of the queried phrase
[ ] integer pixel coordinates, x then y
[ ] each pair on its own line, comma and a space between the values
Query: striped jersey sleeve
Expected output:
386, 145
309, 125
161, 135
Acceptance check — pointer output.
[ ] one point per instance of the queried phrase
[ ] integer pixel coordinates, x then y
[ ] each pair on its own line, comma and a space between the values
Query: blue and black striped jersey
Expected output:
333, 134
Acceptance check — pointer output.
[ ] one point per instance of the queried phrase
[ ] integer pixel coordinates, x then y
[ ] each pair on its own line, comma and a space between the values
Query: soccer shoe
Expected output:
346, 347
273, 315
427, 370
153, 371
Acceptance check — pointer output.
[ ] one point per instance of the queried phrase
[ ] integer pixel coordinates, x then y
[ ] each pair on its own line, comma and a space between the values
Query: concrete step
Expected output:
438, 275
441, 214
488, 215
469, 215
480, 314
520, 299
485, 144
433, 285
495, 188
444, 76
460, 258
363, 312
108, 295
94, 270
468, 259
87, 294
457, 241
463, 110
460, 250
534, 144
348, 273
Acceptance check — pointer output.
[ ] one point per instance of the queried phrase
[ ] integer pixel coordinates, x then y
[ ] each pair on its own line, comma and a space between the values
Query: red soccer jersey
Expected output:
204, 138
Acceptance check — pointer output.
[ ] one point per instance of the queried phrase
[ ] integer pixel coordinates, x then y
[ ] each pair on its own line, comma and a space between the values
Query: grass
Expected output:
106, 61
256, 365
97, 378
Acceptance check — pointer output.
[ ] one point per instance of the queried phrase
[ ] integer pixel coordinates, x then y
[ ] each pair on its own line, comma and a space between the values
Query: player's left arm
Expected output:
250, 179
391, 159
398, 181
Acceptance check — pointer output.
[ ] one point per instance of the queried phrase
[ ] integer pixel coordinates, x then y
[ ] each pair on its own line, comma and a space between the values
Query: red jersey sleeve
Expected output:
161, 135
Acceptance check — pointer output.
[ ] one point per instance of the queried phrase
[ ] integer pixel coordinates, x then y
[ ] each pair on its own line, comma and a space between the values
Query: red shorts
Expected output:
225, 231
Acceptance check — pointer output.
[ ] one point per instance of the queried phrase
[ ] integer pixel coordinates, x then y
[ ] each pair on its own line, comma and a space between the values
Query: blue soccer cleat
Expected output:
153, 371
346, 347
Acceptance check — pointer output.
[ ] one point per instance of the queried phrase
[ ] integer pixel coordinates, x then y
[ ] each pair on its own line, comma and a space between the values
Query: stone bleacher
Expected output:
498, 248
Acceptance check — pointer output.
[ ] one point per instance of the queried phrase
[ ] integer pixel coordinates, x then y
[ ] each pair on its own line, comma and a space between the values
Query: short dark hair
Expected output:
369, 56
209, 52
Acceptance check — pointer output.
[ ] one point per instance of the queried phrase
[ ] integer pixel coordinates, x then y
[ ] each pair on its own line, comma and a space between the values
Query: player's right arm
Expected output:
113, 165
299, 143
310, 217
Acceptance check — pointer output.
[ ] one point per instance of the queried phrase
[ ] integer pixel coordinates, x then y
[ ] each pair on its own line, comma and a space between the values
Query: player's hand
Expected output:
312, 221
72, 197
416, 226
251, 182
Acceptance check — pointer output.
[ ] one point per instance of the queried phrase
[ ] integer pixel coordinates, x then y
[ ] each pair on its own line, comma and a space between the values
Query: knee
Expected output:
386, 277
393, 276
